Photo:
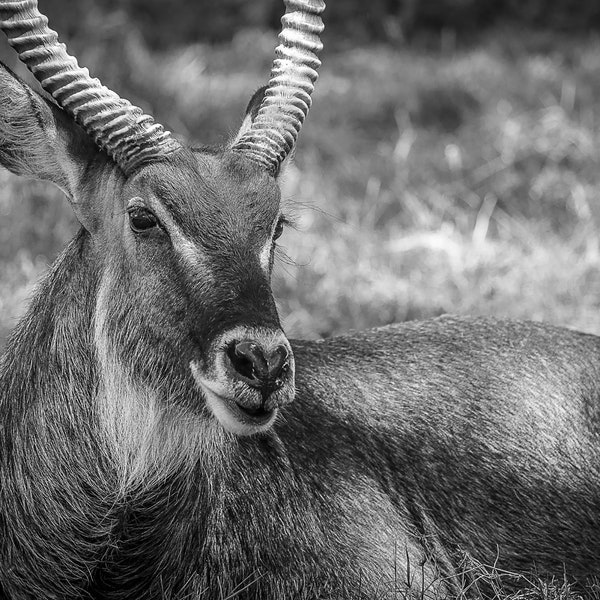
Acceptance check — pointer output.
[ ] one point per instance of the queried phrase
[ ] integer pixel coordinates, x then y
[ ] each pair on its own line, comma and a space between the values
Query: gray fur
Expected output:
404, 448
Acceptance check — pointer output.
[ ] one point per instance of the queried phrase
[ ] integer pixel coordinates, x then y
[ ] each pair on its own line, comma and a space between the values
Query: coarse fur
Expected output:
406, 445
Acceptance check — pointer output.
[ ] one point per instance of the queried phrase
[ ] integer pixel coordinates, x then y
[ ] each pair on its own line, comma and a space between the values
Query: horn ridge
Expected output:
129, 136
287, 99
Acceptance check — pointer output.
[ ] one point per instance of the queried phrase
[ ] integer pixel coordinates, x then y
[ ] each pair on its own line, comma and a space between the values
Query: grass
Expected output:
474, 580
488, 582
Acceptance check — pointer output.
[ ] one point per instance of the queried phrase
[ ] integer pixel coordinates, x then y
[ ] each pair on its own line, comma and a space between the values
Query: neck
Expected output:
112, 481
48, 373
52, 461
80, 444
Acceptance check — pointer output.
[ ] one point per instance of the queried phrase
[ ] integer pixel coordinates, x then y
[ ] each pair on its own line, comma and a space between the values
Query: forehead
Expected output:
207, 194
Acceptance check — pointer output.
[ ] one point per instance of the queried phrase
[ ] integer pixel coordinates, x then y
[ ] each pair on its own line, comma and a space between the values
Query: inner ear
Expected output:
251, 112
38, 139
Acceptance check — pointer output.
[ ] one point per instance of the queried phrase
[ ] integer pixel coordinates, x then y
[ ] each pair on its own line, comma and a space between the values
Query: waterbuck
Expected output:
160, 437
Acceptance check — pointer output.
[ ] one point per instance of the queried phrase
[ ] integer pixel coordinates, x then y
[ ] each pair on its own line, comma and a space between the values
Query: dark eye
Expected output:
278, 229
141, 219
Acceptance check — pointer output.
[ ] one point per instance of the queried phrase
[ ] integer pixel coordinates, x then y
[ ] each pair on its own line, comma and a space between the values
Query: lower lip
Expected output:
258, 417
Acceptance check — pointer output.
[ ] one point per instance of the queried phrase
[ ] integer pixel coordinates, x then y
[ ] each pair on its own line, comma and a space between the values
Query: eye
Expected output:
279, 228
141, 219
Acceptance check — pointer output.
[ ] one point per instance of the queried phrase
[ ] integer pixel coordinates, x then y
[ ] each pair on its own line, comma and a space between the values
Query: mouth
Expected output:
257, 417
256, 414
234, 417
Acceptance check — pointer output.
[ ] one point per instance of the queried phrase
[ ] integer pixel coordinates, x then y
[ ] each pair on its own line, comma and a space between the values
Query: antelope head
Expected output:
180, 240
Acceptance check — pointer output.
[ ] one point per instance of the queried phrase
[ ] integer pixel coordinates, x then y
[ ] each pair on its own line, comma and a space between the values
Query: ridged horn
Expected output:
287, 98
129, 136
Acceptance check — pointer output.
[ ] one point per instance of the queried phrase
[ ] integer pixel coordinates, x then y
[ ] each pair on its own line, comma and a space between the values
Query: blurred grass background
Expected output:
444, 167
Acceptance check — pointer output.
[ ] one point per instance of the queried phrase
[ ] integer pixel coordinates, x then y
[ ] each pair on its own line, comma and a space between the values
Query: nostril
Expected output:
277, 362
248, 359
257, 367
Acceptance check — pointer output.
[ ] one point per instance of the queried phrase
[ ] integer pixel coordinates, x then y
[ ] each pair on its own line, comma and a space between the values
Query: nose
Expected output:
263, 369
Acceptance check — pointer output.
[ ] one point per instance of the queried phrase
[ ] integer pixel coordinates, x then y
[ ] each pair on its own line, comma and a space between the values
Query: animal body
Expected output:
161, 438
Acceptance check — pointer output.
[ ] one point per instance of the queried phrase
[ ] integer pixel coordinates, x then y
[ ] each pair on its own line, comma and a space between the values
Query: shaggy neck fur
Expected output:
89, 461
110, 489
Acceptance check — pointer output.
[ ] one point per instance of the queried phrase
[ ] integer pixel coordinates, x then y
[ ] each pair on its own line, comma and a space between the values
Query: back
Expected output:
483, 432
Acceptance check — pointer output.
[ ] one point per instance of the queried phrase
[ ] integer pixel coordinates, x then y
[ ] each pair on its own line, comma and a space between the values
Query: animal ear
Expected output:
38, 139
251, 112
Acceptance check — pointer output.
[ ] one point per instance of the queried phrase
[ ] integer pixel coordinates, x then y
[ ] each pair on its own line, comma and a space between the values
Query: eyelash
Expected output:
282, 223
278, 229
